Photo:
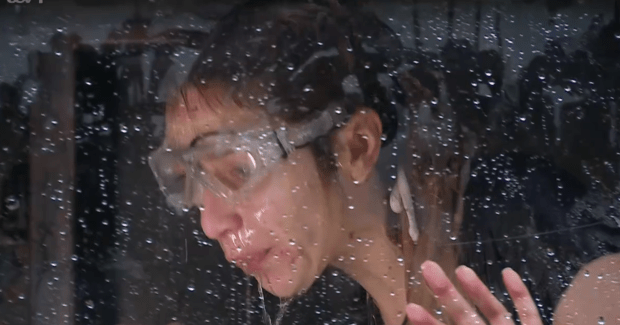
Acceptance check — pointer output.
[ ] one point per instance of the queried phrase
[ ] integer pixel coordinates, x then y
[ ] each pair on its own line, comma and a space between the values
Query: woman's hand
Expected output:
461, 312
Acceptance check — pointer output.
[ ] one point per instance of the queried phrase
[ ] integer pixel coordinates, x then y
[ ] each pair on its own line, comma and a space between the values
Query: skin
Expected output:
460, 311
594, 293
589, 298
296, 221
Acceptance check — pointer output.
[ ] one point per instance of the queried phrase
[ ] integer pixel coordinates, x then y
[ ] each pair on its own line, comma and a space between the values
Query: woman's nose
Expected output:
218, 218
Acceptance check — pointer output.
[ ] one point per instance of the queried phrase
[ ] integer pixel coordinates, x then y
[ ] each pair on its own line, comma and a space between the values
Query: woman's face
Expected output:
285, 230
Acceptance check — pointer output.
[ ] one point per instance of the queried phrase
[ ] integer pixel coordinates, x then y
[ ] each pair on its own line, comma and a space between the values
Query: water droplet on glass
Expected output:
191, 287
12, 203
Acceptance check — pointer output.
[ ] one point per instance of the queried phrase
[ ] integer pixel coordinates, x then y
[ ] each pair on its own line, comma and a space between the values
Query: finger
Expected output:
480, 295
528, 313
419, 316
456, 306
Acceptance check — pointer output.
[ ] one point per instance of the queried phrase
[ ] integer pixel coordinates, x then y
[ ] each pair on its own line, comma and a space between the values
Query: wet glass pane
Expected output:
300, 162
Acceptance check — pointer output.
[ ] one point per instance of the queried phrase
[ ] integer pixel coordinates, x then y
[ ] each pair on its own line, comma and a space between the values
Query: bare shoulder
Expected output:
594, 295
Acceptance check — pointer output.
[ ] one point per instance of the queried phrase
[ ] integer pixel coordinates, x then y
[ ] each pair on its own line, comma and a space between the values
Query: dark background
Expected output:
137, 263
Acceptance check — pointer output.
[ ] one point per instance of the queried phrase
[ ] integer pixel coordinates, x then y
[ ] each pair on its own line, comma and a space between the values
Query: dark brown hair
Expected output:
295, 58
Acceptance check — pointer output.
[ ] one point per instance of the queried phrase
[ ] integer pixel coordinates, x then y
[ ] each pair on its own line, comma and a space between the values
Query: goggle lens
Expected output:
182, 177
231, 172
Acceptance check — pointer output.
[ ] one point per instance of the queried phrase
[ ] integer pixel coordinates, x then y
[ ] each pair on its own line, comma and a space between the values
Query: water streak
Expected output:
266, 317
284, 303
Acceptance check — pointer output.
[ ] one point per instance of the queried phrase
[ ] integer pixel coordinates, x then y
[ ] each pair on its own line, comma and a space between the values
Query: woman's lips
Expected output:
257, 262
253, 262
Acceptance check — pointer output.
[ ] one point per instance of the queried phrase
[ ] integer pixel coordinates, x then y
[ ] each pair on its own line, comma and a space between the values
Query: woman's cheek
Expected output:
270, 208
282, 204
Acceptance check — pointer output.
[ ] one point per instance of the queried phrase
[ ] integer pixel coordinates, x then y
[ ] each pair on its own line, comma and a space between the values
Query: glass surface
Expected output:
504, 118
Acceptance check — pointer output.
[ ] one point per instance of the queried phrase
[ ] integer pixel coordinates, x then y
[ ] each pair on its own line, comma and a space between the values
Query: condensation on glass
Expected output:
511, 145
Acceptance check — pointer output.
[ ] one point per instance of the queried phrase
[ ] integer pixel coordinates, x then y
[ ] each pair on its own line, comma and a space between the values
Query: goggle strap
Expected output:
333, 116
283, 141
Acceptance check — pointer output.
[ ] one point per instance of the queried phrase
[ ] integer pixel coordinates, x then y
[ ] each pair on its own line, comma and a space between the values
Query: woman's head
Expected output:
269, 78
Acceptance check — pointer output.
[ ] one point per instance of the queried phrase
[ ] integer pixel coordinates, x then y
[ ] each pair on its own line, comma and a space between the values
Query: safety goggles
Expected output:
230, 165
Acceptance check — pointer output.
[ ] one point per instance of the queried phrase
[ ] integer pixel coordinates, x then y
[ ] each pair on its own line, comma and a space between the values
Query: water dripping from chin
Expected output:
284, 304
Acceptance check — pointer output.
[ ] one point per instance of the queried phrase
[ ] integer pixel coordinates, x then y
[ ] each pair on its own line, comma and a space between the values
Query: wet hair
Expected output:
296, 59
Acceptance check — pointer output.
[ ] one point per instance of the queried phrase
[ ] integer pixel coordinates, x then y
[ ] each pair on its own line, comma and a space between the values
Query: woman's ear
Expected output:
358, 145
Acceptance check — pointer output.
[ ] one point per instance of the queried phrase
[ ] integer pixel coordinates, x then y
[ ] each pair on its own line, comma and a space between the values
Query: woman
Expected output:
277, 81
276, 137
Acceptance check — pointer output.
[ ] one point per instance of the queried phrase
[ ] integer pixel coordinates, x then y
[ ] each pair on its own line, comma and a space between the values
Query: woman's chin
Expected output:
282, 287
287, 281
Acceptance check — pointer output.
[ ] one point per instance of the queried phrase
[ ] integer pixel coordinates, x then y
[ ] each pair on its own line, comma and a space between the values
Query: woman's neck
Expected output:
365, 252
372, 260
